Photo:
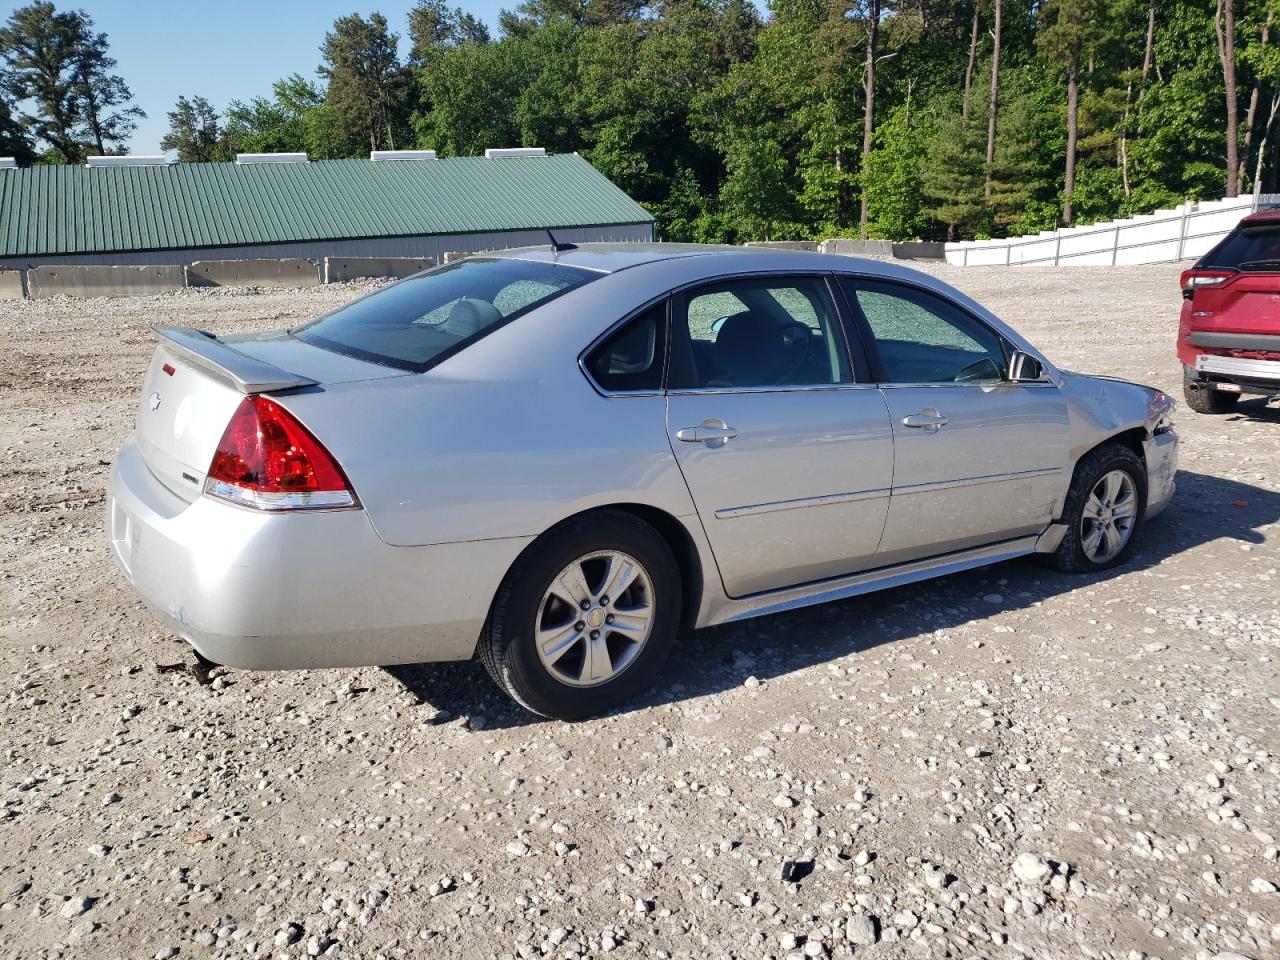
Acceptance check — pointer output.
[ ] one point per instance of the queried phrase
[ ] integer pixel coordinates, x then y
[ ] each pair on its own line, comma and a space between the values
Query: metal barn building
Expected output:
140, 211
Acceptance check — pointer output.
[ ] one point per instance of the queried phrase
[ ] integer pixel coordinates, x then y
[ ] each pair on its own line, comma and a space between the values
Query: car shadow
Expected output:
1255, 409
715, 660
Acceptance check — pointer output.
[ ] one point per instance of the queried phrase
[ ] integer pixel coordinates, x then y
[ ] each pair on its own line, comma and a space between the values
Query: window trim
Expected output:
614, 328
680, 298
871, 347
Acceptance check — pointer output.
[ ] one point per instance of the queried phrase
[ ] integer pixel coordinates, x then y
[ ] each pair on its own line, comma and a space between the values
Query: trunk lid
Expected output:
195, 383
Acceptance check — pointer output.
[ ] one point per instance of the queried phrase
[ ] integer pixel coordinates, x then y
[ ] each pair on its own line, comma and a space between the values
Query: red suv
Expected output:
1229, 334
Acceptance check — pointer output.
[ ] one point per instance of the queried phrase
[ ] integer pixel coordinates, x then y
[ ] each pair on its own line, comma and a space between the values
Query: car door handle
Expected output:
927, 419
707, 432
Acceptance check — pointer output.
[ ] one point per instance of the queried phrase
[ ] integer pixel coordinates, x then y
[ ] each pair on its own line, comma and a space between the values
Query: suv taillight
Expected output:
268, 460
1193, 279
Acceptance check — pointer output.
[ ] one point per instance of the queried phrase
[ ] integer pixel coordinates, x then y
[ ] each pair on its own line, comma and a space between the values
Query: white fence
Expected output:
1183, 233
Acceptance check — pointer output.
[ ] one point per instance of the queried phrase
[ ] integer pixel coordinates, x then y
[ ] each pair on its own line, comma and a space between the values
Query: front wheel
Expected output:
1104, 510
585, 618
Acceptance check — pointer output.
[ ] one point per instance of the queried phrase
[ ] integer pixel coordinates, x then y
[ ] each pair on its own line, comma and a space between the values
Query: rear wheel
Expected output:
1104, 510
1205, 399
584, 620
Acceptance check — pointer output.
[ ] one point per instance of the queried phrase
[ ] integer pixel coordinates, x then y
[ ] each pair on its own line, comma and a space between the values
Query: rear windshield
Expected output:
1250, 247
420, 321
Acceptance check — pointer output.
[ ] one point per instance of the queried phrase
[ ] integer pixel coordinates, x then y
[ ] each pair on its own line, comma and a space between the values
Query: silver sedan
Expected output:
560, 458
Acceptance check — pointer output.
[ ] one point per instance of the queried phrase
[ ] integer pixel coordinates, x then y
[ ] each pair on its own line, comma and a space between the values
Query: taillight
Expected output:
268, 460
1193, 279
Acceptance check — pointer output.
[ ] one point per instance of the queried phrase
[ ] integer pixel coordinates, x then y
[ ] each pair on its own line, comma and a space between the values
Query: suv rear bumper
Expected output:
1262, 376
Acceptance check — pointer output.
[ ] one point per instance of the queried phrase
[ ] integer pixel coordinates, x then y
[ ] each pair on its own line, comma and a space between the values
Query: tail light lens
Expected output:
1193, 279
268, 460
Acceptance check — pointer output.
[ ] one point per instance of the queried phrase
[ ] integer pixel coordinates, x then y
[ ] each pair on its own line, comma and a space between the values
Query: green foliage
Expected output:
194, 133
725, 127
891, 178
296, 118
54, 63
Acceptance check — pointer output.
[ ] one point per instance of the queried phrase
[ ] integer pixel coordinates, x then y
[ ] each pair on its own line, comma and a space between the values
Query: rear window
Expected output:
1250, 247
421, 321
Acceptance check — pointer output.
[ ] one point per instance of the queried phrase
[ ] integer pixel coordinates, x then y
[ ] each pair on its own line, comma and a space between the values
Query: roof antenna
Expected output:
557, 246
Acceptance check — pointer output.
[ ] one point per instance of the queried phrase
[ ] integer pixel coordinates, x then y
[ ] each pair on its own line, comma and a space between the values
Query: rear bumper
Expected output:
1262, 374
1161, 454
298, 590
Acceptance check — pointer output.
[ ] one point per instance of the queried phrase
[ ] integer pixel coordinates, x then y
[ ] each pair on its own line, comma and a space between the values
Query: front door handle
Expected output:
928, 419
712, 432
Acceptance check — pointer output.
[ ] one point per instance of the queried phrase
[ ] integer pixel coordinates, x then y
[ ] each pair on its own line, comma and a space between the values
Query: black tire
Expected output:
1206, 399
507, 643
1071, 556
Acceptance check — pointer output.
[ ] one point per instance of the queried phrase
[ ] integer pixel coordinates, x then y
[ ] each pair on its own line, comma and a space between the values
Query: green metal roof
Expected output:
60, 209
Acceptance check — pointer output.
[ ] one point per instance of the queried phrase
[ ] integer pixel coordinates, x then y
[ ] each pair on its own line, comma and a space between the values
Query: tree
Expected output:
868, 114
39, 46
434, 26
194, 132
99, 92
295, 119
994, 99
366, 84
58, 64
1224, 28
14, 141
1069, 35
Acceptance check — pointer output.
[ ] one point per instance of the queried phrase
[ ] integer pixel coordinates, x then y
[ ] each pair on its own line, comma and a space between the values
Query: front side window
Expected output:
921, 338
631, 359
758, 333
420, 321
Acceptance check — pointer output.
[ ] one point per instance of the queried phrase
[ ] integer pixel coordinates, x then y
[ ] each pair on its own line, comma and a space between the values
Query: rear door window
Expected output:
757, 333
1250, 248
419, 322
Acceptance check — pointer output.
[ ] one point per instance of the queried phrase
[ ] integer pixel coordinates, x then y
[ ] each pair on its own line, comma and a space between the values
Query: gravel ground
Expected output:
1010, 762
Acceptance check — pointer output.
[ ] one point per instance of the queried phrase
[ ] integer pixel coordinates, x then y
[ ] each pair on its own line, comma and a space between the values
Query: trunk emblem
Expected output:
154, 401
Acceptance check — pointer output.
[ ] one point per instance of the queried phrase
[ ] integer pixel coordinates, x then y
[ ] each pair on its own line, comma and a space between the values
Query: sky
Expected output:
225, 50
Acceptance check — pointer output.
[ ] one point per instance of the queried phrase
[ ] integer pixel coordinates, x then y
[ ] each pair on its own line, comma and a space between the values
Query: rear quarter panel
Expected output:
505, 439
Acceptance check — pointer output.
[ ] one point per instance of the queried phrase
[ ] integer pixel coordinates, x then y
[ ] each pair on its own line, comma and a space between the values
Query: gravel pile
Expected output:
1004, 763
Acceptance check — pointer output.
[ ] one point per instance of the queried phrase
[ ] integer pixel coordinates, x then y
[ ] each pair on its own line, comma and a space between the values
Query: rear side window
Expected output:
1250, 247
631, 359
420, 321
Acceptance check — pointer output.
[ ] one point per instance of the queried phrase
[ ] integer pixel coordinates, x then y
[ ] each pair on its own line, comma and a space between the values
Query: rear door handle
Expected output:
927, 419
711, 432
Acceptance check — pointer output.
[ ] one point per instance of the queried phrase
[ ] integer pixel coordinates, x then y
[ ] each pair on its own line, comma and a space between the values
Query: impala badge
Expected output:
154, 402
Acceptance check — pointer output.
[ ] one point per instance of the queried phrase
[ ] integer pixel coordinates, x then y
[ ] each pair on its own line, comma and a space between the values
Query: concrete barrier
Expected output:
810, 245
72, 280
11, 285
920, 250
858, 248
295, 272
338, 269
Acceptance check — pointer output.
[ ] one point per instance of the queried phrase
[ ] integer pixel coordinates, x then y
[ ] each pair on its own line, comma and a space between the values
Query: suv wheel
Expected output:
585, 618
1104, 510
1204, 399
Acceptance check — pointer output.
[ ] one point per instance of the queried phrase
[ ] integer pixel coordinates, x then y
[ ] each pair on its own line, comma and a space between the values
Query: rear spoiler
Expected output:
245, 373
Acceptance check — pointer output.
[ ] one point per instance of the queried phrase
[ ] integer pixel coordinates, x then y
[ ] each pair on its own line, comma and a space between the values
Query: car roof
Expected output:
1263, 216
612, 257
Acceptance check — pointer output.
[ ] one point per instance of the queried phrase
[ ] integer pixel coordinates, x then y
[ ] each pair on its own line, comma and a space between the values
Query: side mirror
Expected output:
1024, 368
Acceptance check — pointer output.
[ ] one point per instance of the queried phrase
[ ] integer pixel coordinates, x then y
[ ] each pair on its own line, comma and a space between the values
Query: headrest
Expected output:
469, 316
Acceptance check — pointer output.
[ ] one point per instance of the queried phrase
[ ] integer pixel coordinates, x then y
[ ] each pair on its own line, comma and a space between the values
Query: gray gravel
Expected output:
1010, 762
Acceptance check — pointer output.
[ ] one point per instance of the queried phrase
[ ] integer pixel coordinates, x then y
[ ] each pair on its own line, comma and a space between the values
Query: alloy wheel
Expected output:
594, 618
1109, 515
